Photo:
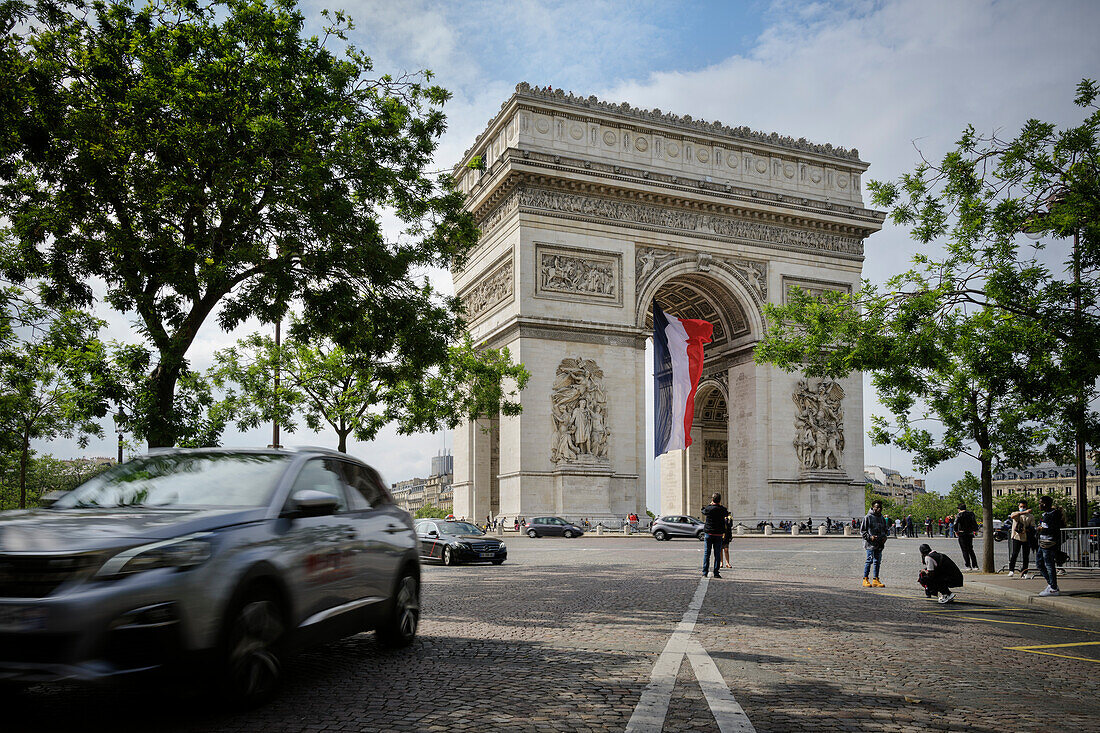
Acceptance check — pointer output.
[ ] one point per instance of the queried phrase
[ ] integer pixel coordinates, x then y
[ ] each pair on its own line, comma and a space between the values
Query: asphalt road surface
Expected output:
623, 634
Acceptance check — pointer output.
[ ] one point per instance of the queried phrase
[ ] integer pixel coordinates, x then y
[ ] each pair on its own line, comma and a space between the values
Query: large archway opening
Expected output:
679, 481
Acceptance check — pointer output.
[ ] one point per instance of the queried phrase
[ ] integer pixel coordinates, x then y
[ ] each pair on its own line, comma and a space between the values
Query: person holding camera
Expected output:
1022, 537
714, 527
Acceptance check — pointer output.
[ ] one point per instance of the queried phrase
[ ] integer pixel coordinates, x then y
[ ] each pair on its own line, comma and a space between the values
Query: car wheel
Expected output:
253, 667
567, 534
399, 628
660, 535
532, 533
448, 556
497, 562
701, 536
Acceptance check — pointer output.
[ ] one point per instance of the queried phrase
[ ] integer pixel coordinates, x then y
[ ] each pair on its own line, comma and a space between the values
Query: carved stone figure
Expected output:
578, 407
648, 259
819, 425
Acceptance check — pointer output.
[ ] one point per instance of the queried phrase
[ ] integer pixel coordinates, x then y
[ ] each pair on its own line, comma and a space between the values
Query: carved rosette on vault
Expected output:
819, 425
578, 406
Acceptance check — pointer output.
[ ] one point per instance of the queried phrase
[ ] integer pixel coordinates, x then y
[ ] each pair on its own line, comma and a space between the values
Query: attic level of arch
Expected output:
518, 167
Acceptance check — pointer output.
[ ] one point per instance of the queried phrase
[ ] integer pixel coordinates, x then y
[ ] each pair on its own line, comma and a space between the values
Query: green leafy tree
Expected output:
206, 161
1044, 182
199, 415
431, 511
52, 382
983, 342
44, 474
326, 386
967, 490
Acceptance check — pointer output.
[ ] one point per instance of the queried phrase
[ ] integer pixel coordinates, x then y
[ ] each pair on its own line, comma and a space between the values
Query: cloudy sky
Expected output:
888, 77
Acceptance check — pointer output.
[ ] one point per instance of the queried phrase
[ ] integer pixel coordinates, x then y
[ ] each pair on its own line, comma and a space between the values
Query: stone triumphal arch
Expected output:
589, 211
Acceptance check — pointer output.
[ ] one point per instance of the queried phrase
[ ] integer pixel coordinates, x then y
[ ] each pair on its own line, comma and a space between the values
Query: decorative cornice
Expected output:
742, 198
741, 134
660, 218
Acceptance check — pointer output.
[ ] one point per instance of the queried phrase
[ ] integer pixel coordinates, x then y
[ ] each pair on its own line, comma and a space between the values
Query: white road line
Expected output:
649, 714
729, 715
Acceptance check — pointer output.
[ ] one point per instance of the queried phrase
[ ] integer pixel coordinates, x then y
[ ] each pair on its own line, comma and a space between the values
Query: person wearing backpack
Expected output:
940, 574
1050, 543
966, 526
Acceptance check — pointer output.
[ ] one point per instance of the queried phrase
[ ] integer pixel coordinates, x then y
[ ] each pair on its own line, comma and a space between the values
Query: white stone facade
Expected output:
588, 212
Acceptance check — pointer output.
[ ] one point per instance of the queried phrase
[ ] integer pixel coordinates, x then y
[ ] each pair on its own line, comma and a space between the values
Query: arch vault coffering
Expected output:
588, 213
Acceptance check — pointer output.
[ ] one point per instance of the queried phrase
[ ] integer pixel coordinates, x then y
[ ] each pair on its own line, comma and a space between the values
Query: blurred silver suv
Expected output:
673, 525
232, 558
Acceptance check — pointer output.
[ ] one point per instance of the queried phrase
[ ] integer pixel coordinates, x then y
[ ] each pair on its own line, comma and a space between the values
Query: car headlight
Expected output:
502, 547
180, 553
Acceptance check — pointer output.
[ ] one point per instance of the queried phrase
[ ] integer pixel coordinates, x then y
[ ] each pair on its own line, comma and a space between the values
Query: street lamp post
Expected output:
120, 418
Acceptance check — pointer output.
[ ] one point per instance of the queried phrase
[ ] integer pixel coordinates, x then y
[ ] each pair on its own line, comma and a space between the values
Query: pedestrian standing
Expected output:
940, 574
928, 526
897, 527
966, 526
1050, 542
873, 530
1022, 537
727, 540
950, 526
714, 517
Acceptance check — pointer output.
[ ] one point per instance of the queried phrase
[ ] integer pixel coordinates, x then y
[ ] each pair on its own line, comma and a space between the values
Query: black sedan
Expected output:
453, 542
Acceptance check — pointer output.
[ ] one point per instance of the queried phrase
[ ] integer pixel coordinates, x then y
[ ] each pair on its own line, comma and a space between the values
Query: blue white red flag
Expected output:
677, 366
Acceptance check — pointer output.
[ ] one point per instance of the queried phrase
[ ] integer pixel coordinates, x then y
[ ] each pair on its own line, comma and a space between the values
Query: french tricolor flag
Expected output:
677, 366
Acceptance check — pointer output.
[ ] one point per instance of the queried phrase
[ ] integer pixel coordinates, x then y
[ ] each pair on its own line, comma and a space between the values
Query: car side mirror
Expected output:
50, 498
312, 503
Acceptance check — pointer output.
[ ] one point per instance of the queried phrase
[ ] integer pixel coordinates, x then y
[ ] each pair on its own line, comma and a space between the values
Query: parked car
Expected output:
234, 556
452, 542
552, 527
675, 525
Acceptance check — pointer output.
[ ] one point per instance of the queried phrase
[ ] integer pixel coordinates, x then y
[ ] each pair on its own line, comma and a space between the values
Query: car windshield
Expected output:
187, 479
461, 528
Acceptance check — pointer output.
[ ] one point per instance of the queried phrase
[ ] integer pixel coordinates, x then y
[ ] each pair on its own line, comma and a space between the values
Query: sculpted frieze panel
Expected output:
645, 214
578, 407
578, 273
492, 289
715, 450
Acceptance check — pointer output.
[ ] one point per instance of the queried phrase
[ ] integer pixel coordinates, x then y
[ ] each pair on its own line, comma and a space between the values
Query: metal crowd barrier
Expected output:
1082, 545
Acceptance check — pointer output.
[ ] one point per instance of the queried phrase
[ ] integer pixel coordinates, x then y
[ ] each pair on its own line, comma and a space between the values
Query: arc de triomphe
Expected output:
588, 212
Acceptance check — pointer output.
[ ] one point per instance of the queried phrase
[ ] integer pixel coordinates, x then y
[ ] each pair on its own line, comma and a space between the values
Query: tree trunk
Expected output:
343, 445
987, 511
23, 456
161, 430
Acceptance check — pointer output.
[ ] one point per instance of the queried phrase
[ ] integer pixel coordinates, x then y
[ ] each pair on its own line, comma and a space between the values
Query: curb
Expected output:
1060, 604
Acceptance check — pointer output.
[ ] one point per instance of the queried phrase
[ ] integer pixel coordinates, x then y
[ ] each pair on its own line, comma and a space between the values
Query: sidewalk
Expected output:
1079, 591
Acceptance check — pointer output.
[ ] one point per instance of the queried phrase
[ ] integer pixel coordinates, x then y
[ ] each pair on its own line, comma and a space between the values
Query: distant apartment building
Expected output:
890, 483
1046, 478
414, 493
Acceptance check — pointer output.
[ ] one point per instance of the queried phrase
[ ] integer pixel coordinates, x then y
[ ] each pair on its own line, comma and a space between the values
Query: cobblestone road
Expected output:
565, 635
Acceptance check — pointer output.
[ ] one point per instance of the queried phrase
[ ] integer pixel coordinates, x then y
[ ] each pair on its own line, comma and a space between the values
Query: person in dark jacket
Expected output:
1050, 541
714, 519
940, 574
873, 530
966, 526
